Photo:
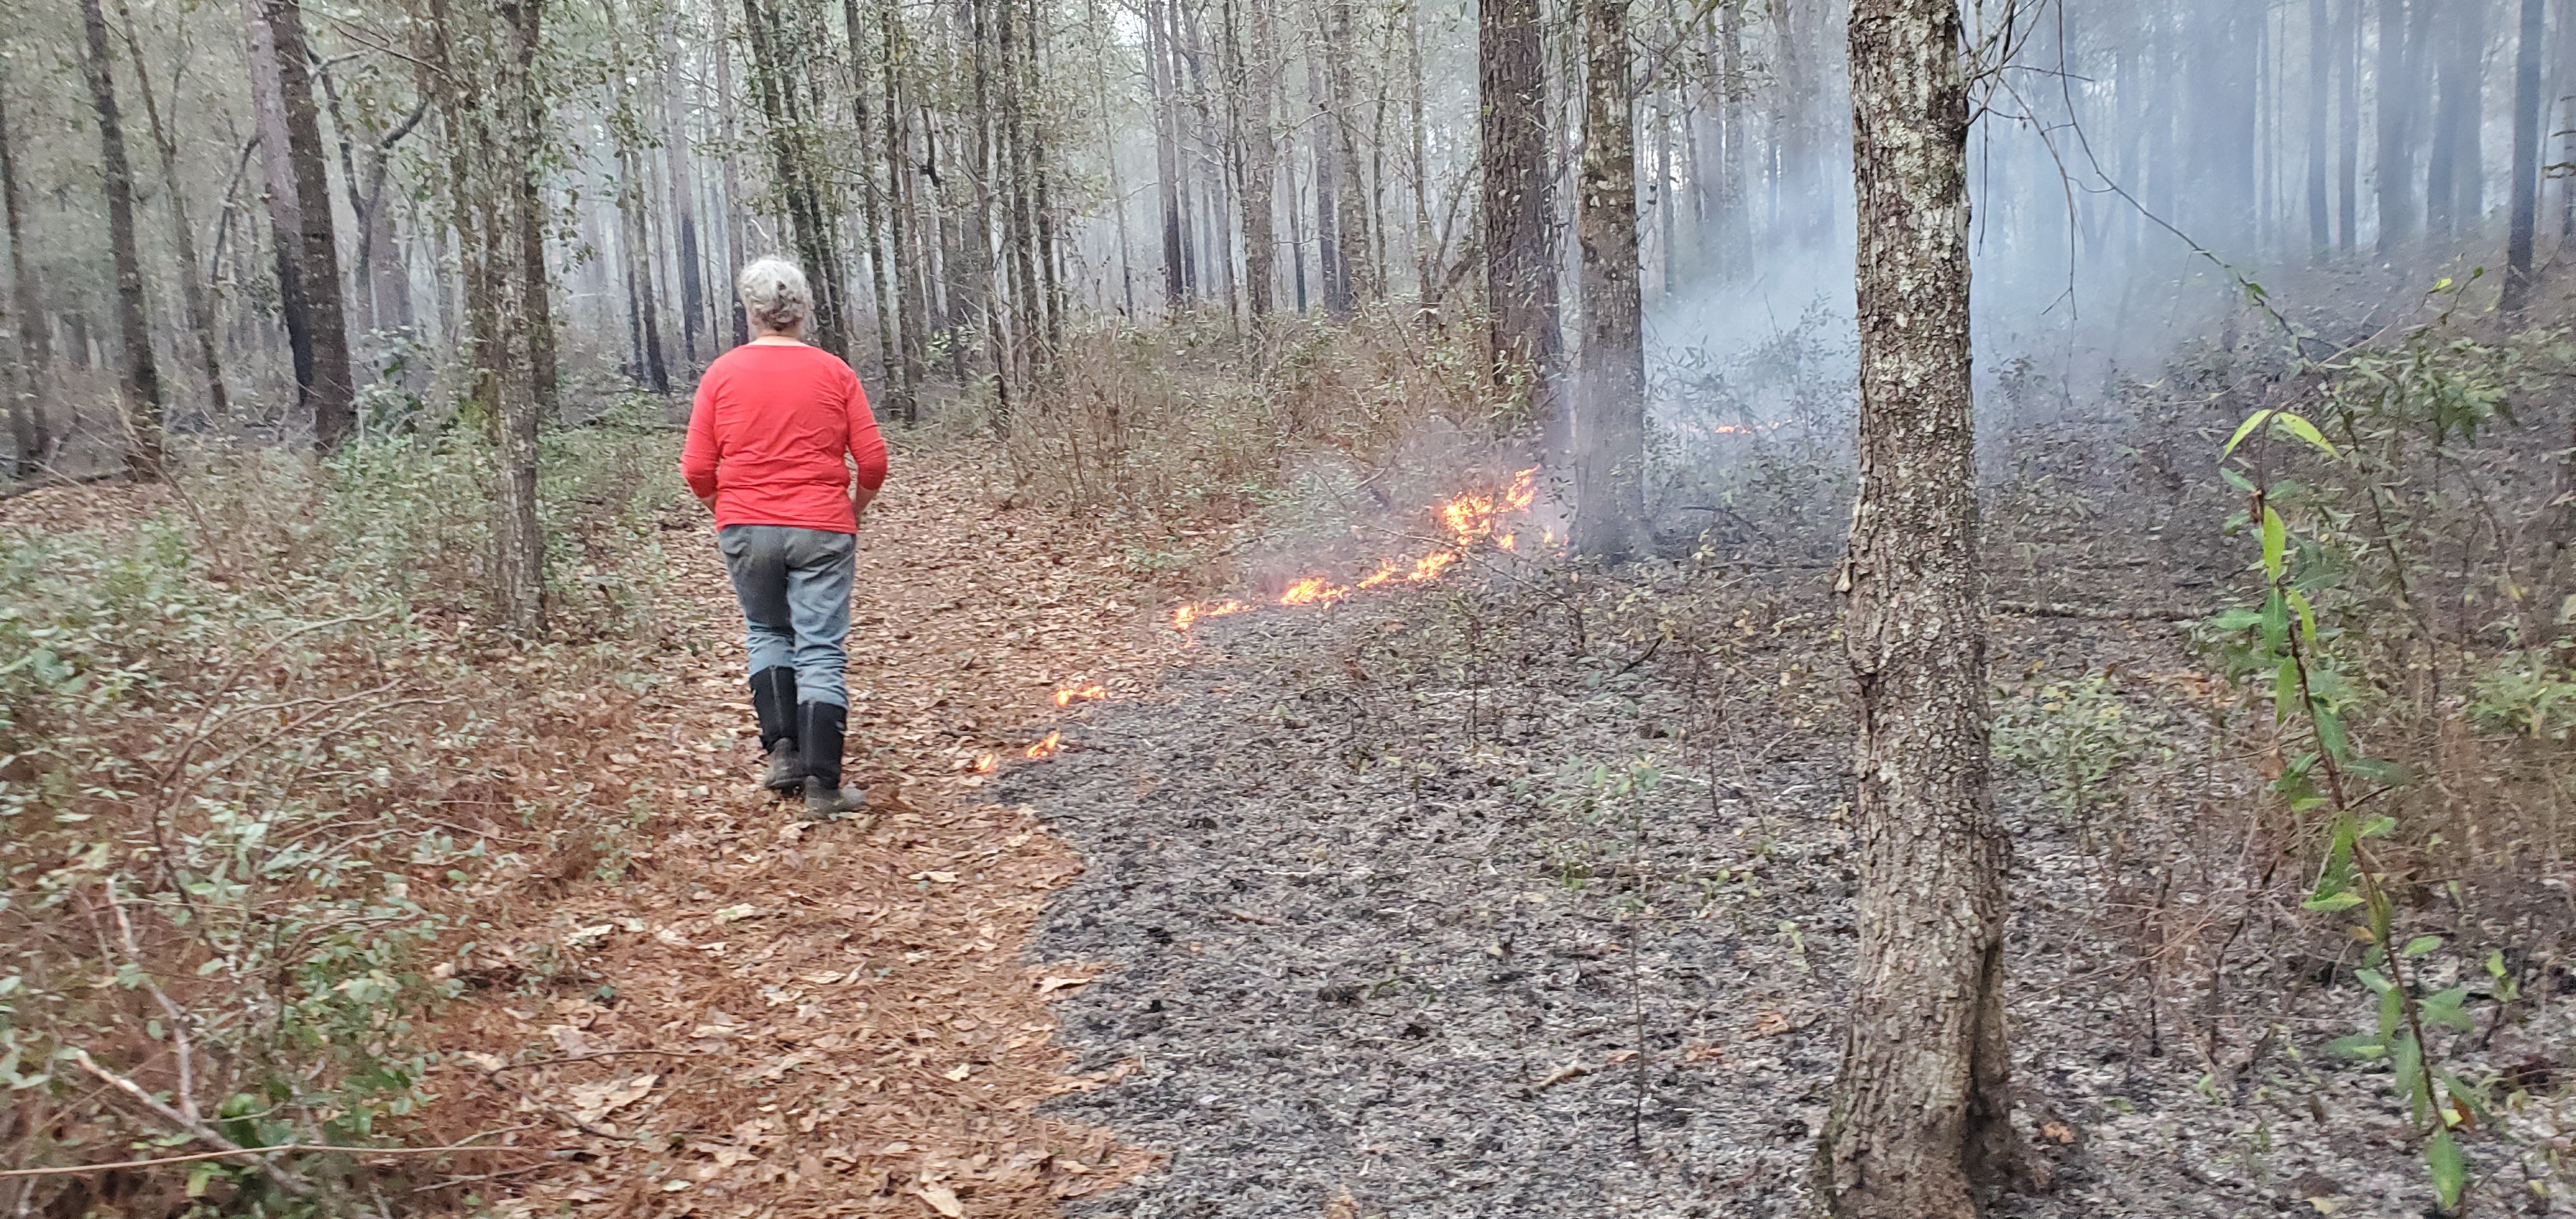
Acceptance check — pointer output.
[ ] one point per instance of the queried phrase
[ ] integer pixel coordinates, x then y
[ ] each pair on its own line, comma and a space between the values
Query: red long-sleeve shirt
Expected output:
768, 433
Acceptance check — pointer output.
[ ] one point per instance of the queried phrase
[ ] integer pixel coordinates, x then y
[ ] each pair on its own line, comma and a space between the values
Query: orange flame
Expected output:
984, 765
1313, 590
1188, 615
1048, 748
1429, 566
1385, 572
1079, 694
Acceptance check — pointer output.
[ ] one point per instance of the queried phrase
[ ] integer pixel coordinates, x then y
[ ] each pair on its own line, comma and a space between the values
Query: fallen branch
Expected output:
287, 1181
2060, 609
62, 1170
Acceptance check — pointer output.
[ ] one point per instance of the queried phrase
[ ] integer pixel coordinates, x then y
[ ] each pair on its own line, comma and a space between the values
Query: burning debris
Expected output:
1048, 748
1080, 694
1470, 518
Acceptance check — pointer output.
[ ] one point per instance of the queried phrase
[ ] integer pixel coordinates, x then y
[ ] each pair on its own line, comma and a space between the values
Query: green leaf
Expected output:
2359, 1046
2298, 602
2275, 542
2276, 629
2377, 827
2236, 480
2235, 619
2244, 430
2306, 431
2444, 1008
2329, 902
2420, 945
2330, 731
2450, 1169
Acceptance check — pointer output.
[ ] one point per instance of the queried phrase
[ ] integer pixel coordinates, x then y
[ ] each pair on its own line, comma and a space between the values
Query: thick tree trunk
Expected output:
331, 396
1520, 258
285, 211
1610, 400
27, 423
510, 228
2527, 104
1353, 214
139, 380
1920, 1122
1426, 275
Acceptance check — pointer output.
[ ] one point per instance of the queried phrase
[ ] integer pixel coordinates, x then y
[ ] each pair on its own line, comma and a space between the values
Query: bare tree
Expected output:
139, 380
1920, 1123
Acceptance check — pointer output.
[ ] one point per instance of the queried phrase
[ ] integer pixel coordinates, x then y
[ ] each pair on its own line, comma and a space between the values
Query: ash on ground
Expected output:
1530, 897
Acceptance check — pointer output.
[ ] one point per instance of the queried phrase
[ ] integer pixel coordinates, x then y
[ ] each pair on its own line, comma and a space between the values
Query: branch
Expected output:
203, 1133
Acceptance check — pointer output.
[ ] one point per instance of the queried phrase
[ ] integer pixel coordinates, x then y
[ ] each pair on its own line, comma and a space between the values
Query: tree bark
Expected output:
1260, 164
27, 424
735, 207
1920, 1121
903, 228
1332, 275
1520, 259
139, 380
1167, 161
331, 395
1610, 416
2348, 128
2525, 216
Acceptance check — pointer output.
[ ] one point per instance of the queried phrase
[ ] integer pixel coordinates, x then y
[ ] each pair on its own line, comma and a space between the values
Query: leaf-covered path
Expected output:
732, 1012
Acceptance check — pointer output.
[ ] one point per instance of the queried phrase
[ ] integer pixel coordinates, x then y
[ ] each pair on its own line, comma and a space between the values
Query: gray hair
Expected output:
775, 294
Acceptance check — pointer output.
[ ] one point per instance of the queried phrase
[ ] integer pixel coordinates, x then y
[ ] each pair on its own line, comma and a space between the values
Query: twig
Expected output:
62, 1170
287, 1181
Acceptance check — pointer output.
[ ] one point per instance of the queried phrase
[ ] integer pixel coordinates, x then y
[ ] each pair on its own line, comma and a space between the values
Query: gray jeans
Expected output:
794, 586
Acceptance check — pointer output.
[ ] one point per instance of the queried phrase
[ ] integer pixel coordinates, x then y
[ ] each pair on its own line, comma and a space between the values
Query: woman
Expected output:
783, 450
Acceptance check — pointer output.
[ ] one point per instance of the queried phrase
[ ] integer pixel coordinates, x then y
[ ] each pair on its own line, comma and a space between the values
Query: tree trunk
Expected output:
2527, 104
139, 381
1353, 213
331, 396
1260, 165
1331, 275
2452, 178
1610, 400
903, 229
183, 237
635, 240
2348, 128
1920, 1122
285, 211
678, 181
1426, 273
1520, 261
735, 207
27, 424
511, 228
2394, 173
2320, 74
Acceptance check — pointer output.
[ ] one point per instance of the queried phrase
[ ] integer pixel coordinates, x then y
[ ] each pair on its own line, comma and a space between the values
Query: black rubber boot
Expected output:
818, 730
773, 699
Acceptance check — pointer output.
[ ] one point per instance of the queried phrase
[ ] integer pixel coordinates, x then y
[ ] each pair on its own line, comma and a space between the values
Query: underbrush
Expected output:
1189, 430
262, 768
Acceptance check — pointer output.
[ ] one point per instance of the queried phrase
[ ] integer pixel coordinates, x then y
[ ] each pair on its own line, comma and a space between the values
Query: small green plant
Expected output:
2074, 737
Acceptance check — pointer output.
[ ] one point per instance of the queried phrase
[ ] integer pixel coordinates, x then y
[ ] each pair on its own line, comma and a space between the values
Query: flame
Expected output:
1470, 518
1313, 590
1079, 694
984, 765
1188, 615
1047, 748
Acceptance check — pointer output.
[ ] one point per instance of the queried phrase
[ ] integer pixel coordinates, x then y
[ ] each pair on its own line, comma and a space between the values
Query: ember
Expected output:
1047, 748
1082, 694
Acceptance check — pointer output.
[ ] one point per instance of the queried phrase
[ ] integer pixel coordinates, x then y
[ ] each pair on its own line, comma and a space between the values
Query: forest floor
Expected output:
746, 1013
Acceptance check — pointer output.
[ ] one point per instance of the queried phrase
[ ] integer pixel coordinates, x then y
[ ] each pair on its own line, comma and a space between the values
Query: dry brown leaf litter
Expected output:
769, 1017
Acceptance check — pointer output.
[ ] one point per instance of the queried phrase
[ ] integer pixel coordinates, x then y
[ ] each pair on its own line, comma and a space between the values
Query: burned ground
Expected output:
1530, 898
